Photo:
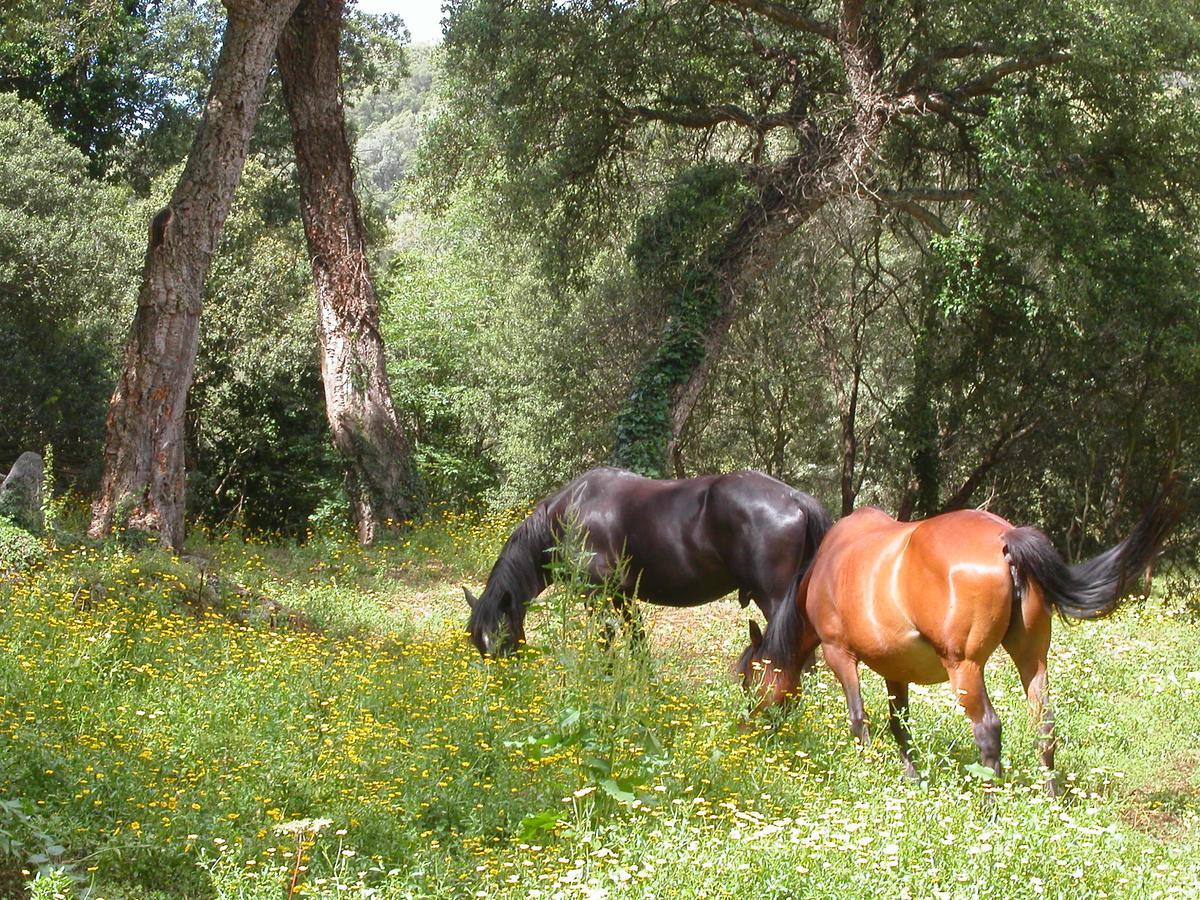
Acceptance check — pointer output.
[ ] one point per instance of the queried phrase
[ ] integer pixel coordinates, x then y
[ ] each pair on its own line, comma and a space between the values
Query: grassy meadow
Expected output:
254, 720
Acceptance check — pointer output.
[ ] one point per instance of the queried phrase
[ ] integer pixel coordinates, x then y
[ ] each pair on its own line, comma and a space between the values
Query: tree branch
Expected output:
985, 82
909, 201
785, 15
928, 195
922, 67
926, 217
923, 100
993, 455
714, 115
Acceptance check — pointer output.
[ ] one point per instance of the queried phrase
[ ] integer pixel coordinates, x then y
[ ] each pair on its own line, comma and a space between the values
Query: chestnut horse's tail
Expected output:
1094, 587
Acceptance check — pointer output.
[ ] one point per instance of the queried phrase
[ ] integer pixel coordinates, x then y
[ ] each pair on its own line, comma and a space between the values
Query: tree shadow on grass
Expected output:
1162, 806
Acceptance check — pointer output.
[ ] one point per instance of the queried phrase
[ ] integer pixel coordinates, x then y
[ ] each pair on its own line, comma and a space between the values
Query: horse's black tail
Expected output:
1094, 587
817, 524
788, 622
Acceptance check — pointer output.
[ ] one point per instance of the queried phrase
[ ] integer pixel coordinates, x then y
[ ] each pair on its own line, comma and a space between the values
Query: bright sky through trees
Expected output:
423, 17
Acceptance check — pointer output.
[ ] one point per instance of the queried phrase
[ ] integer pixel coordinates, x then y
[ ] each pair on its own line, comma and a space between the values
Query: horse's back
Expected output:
753, 507
691, 540
646, 521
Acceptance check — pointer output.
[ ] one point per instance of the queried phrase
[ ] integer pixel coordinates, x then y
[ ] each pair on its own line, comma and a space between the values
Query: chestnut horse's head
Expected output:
771, 667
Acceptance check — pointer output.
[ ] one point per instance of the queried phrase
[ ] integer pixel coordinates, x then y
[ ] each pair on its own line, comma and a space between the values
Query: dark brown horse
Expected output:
684, 542
930, 601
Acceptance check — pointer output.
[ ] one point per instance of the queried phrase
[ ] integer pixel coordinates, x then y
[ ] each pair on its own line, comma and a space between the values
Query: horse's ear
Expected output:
471, 598
756, 636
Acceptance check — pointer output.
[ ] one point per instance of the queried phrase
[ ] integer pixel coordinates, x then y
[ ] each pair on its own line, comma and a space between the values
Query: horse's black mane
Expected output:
519, 573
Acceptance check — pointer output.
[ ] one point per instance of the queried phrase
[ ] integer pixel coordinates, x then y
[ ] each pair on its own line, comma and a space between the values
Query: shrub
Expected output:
18, 548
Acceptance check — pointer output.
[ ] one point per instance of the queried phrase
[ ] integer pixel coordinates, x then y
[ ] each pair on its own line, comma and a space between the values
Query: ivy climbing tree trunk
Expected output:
143, 481
834, 155
701, 308
358, 400
828, 165
920, 428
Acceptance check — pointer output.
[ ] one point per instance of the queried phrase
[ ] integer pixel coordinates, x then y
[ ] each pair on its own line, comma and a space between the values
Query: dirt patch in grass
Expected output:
700, 639
12, 884
1162, 806
697, 641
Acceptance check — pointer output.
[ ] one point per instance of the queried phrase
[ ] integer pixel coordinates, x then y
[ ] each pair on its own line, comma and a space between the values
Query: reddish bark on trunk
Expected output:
143, 481
358, 400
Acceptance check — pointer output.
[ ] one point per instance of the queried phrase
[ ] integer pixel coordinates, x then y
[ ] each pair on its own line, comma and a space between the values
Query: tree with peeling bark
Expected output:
143, 482
778, 109
358, 400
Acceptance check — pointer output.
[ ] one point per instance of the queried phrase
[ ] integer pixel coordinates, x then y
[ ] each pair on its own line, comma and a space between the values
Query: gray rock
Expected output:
21, 493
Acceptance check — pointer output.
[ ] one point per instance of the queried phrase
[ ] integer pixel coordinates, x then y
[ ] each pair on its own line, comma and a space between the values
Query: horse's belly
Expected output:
913, 660
694, 593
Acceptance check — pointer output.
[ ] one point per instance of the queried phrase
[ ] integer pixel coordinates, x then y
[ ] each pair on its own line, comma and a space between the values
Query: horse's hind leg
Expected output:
845, 669
966, 678
898, 724
1037, 690
1027, 643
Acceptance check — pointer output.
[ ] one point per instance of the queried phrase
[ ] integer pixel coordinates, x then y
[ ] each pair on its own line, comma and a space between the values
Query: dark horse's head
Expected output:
497, 620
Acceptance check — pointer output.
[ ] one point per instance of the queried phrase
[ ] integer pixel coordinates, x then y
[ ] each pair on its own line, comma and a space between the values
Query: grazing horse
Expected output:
683, 542
930, 601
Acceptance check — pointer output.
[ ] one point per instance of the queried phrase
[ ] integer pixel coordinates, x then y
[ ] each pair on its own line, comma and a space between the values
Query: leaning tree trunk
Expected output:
708, 299
143, 482
701, 310
358, 401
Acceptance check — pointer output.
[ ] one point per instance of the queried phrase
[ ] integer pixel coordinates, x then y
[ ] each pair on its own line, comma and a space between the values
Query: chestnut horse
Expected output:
684, 542
930, 601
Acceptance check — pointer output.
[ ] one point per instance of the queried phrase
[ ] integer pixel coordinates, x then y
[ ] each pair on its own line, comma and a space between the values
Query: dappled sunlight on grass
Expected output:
158, 739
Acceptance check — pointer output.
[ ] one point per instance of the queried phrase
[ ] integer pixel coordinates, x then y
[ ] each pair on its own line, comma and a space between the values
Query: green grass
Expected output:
159, 738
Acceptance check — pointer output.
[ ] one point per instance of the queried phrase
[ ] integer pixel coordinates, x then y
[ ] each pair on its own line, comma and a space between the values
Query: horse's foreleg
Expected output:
966, 678
625, 607
898, 724
845, 669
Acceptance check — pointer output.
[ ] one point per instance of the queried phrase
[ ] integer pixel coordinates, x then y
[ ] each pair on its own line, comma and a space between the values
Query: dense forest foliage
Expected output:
354, 304
543, 193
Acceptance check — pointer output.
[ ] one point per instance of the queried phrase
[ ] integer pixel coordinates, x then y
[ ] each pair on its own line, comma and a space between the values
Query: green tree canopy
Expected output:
1025, 137
68, 253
